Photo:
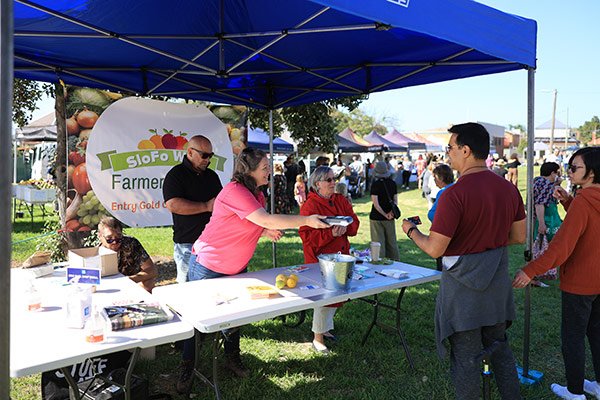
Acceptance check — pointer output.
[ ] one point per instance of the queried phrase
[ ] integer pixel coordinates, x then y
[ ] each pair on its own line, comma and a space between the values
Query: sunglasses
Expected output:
329, 180
574, 168
450, 146
113, 240
203, 154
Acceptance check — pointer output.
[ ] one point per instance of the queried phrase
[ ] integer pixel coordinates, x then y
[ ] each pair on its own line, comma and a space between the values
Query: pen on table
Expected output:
172, 309
379, 273
225, 301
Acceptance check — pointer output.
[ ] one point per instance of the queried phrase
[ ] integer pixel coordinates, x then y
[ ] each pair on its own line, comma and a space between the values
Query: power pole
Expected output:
553, 122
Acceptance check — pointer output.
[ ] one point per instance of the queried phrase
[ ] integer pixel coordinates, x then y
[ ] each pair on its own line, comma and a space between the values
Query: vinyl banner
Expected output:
133, 145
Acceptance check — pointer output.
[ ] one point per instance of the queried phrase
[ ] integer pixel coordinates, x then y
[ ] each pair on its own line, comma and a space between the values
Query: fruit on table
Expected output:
283, 280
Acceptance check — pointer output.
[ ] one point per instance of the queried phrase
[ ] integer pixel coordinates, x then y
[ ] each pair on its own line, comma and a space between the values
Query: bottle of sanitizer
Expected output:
96, 326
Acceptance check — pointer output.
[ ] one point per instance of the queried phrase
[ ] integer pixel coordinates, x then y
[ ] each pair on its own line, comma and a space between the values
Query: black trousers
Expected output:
580, 318
465, 347
405, 177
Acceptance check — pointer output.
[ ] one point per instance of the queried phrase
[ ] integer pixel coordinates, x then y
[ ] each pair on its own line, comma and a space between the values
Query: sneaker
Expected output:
235, 365
186, 372
563, 393
592, 388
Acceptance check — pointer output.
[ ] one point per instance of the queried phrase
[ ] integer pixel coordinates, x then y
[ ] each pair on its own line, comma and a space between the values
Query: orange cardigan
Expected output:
575, 247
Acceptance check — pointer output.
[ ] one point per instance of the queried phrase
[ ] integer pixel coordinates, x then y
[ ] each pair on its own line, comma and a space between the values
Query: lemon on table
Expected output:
280, 283
294, 277
291, 282
281, 277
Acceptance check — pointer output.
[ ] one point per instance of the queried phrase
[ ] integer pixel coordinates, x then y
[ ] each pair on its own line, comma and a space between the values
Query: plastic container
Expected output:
96, 327
336, 270
33, 299
78, 307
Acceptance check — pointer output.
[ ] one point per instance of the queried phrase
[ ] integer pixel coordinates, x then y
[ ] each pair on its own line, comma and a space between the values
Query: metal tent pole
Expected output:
272, 180
6, 94
526, 375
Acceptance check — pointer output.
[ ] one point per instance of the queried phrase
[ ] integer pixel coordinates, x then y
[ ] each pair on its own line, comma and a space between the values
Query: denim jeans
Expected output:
181, 255
465, 369
580, 318
198, 272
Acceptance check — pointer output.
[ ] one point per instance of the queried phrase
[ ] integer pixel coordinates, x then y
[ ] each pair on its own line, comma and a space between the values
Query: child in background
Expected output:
342, 189
300, 190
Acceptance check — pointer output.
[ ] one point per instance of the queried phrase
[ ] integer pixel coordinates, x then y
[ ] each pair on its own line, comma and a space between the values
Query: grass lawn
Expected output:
283, 364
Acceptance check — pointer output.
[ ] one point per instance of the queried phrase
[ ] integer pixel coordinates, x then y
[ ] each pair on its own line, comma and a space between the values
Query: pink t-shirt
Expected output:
229, 239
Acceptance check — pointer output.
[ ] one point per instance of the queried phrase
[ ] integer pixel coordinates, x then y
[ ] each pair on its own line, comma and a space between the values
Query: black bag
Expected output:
99, 389
395, 209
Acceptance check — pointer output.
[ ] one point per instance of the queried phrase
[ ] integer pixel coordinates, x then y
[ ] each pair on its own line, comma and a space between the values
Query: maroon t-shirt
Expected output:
477, 213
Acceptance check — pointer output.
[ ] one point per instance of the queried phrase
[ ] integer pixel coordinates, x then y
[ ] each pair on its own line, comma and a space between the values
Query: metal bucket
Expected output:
336, 270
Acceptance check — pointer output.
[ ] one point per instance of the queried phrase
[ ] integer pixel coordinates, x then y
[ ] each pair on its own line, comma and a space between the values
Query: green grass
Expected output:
283, 366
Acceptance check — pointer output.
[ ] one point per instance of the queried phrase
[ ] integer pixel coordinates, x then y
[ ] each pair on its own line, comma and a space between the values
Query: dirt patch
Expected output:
167, 271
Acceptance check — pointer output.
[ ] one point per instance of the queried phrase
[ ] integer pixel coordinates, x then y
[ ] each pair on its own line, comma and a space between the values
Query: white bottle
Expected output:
78, 307
33, 298
96, 326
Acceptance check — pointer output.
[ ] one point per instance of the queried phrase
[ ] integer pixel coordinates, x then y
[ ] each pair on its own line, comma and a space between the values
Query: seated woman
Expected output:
322, 200
134, 261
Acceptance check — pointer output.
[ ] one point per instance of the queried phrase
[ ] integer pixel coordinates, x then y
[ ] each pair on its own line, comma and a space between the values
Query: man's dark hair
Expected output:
247, 162
111, 223
322, 160
444, 173
591, 160
473, 135
548, 168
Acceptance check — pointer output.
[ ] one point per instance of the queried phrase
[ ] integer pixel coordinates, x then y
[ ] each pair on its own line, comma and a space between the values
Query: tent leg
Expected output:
272, 180
527, 376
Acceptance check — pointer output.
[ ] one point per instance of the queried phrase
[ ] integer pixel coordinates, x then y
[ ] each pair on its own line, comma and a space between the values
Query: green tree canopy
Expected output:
585, 130
26, 94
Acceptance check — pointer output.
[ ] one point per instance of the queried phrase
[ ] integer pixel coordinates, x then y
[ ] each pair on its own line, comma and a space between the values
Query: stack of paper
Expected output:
394, 273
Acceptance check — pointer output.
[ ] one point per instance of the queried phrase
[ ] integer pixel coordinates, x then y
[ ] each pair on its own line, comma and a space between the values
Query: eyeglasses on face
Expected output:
203, 154
116, 240
451, 146
329, 180
574, 168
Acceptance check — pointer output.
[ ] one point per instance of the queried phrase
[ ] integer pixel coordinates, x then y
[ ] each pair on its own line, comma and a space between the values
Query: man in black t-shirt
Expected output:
189, 191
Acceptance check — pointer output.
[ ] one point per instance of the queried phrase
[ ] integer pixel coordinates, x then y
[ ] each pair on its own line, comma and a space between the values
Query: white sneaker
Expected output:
563, 393
592, 388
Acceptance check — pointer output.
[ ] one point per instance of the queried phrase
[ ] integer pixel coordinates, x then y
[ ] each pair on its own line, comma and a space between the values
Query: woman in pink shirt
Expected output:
228, 242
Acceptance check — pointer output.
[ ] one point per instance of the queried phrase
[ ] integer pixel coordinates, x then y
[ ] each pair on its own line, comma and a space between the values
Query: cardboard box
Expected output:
95, 257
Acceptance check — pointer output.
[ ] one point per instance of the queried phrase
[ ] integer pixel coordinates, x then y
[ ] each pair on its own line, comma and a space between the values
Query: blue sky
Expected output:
568, 61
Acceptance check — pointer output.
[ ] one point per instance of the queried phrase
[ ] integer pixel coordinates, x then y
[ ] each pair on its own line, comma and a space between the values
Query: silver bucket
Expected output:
336, 270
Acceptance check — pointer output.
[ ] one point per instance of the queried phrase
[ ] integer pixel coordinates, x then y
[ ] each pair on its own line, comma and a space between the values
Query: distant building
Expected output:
561, 132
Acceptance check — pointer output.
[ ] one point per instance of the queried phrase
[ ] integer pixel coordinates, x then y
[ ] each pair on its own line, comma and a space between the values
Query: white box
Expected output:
94, 257
33, 195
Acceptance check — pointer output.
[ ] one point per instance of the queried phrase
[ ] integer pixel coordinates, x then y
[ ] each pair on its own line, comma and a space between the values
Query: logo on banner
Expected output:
403, 3
133, 146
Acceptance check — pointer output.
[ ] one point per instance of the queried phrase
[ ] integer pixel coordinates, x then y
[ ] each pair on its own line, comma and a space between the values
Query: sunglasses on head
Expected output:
574, 168
328, 180
203, 154
113, 240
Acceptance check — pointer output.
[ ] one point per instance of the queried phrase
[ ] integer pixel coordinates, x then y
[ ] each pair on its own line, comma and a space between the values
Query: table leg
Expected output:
217, 342
127, 384
394, 329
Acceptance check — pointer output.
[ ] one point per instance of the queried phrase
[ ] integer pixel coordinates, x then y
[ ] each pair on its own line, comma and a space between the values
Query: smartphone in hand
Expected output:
415, 220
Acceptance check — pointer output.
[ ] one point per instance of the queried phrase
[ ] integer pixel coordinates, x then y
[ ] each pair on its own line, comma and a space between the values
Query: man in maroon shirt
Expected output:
476, 219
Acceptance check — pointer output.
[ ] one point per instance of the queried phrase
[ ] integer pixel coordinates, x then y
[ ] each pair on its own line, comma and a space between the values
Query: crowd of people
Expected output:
476, 212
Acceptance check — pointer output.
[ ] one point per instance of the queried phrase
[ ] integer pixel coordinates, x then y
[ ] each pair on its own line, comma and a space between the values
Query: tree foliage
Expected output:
26, 94
312, 125
585, 130
361, 123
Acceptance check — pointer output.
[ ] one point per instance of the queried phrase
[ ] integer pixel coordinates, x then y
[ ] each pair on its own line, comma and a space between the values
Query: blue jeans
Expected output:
198, 272
181, 254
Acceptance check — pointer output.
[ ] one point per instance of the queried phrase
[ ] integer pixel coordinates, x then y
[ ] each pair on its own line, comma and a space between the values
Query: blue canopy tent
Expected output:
259, 139
376, 138
252, 52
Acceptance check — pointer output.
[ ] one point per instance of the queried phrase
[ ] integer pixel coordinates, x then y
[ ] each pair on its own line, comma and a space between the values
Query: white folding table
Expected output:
223, 303
40, 341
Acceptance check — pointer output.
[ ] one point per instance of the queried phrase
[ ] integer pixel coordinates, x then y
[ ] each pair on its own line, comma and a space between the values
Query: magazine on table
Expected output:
124, 316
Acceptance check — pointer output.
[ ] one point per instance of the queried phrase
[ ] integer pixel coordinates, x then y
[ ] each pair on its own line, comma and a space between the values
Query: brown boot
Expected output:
234, 363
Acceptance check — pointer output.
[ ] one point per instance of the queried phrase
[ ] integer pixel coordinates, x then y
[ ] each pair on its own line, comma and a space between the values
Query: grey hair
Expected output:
318, 175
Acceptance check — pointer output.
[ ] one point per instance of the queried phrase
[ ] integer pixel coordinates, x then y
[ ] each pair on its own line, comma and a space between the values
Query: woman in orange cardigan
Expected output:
323, 199
575, 249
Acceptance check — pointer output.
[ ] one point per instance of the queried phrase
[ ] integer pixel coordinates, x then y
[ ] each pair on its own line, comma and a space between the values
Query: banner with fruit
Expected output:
132, 146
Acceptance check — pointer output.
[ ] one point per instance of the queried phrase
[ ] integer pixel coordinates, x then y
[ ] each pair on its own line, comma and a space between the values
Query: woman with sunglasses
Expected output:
133, 260
228, 242
323, 200
575, 249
